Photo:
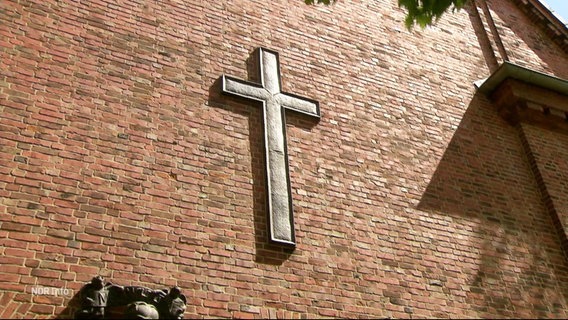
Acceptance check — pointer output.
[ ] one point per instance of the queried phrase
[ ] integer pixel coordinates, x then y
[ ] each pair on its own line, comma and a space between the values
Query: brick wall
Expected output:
412, 196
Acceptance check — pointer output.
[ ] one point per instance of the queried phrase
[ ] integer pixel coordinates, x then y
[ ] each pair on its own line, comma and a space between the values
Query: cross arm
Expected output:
299, 104
244, 89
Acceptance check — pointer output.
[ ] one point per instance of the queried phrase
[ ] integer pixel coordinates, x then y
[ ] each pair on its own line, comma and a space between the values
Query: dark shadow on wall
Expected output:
72, 306
484, 182
266, 252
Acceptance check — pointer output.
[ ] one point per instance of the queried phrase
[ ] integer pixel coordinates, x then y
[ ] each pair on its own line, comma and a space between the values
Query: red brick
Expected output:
412, 196
45, 273
9, 309
11, 252
84, 270
11, 278
42, 309
15, 227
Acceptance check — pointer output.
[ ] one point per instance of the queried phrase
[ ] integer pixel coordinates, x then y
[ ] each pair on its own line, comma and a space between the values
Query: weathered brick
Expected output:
412, 196
15, 227
42, 309
45, 273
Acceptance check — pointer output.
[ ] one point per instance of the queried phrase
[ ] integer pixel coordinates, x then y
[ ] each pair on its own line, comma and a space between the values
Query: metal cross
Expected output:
274, 103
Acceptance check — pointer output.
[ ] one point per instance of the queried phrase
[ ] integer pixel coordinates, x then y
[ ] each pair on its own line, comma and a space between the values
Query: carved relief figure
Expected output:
110, 301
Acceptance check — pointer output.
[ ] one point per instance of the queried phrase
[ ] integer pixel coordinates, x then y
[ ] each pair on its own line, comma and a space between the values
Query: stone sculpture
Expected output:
101, 300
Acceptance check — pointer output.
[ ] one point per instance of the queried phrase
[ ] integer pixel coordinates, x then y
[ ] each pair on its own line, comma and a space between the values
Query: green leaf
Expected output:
421, 12
427, 12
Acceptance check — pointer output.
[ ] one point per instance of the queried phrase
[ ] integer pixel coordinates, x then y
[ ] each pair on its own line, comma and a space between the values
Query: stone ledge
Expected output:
521, 94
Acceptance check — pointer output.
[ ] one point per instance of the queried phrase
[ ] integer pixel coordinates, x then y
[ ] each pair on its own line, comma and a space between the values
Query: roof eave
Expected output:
514, 71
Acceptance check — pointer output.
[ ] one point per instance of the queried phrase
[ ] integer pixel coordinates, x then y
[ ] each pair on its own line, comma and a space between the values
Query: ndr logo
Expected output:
50, 291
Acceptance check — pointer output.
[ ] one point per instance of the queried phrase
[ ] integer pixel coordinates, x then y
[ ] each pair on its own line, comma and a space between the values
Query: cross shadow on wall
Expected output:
265, 251
513, 263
